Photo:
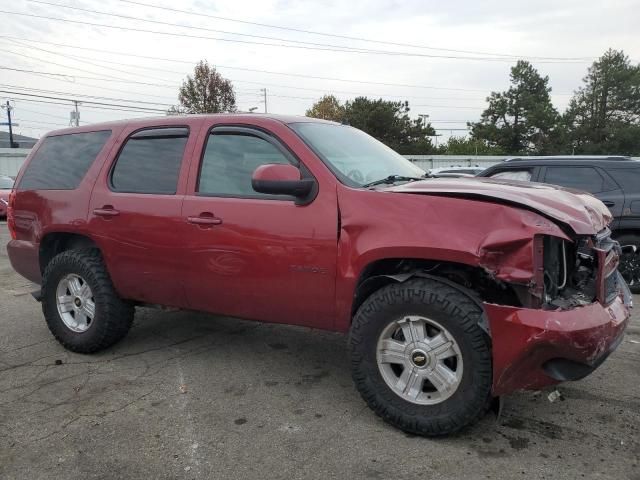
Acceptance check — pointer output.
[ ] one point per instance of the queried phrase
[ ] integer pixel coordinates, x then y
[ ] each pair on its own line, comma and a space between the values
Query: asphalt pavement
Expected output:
189, 395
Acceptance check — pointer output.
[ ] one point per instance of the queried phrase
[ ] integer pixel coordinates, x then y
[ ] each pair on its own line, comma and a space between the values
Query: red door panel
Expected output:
263, 259
140, 234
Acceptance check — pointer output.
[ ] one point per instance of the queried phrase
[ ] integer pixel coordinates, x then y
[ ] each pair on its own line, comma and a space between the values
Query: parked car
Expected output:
453, 291
613, 179
456, 171
6, 184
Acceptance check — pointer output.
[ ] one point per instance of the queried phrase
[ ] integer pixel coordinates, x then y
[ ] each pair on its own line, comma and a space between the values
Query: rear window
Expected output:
523, 175
62, 161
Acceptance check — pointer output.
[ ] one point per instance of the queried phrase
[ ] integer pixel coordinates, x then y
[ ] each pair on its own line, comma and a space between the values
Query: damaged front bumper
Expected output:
534, 348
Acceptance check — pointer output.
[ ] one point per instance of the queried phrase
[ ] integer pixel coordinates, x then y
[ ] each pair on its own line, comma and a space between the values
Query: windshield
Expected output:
354, 157
6, 183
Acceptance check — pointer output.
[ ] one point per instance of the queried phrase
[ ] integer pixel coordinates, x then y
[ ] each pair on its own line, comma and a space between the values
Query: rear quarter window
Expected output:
62, 161
627, 178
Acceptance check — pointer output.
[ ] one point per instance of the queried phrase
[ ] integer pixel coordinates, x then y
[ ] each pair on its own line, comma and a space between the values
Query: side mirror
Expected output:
278, 179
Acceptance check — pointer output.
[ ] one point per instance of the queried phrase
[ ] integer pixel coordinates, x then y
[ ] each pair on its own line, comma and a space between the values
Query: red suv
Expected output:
453, 291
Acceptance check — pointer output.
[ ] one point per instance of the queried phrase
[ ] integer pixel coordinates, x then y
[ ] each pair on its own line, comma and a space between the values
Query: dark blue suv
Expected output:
615, 180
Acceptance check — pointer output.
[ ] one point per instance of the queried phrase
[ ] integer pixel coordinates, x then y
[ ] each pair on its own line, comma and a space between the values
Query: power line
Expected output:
37, 122
252, 70
44, 114
250, 42
346, 37
72, 77
86, 107
413, 106
91, 102
38, 90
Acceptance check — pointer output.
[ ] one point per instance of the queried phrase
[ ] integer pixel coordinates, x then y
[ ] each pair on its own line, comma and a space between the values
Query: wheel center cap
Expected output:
77, 302
419, 358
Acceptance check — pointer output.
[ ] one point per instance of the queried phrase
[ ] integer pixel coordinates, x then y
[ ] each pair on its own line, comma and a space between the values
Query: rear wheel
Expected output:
420, 359
630, 261
80, 305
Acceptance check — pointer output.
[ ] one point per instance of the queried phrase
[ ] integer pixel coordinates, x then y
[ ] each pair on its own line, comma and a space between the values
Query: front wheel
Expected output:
420, 358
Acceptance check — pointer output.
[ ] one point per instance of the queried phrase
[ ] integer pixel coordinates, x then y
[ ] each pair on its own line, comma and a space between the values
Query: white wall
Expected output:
11, 160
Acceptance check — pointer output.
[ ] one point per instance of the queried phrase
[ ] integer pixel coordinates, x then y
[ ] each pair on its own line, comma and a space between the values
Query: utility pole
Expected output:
74, 117
264, 91
8, 106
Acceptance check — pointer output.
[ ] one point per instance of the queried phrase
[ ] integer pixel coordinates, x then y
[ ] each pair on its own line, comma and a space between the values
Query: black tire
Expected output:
460, 316
630, 262
113, 316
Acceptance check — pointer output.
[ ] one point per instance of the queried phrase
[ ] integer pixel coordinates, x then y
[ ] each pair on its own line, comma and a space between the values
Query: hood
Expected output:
582, 212
5, 194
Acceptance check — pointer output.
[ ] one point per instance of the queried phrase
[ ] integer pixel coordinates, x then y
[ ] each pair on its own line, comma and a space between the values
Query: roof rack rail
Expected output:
569, 157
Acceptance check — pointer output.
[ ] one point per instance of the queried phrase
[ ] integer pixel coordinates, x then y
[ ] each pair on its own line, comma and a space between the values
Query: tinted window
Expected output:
230, 160
580, 178
524, 175
150, 162
628, 178
6, 183
62, 161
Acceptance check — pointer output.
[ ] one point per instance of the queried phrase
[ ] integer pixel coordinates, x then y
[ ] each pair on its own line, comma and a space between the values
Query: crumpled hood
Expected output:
585, 214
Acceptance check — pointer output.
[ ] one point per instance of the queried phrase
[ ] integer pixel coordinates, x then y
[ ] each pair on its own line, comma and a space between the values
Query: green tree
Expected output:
390, 123
521, 119
327, 108
206, 92
604, 114
468, 146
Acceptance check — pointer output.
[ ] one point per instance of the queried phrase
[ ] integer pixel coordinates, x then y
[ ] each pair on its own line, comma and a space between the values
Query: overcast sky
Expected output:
450, 90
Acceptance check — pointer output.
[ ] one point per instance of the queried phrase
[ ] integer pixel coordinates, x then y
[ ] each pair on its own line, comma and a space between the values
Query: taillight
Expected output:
11, 219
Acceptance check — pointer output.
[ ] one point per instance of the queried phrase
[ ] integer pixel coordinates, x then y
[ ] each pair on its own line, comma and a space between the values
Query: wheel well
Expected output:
380, 273
55, 243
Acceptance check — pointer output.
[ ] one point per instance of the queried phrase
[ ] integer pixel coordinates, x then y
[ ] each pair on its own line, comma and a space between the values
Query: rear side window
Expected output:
524, 175
230, 160
62, 161
150, 162
628, 178
580, 178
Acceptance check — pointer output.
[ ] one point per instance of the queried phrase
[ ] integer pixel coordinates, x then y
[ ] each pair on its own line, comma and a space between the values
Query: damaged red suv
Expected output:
453, 291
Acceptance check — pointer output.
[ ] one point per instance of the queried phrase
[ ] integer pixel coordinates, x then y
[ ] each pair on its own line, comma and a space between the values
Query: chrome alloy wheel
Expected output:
419, 360
75, 303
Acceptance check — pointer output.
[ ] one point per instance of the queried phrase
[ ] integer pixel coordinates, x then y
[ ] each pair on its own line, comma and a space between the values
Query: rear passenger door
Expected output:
135, 213
589, 179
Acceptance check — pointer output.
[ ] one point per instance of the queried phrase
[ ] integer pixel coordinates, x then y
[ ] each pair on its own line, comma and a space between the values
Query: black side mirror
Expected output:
278, 179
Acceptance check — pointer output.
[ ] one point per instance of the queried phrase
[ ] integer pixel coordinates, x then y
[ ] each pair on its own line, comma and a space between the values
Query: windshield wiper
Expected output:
391, 179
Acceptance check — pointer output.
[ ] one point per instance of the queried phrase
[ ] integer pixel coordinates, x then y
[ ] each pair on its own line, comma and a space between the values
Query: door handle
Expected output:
609, 203
106, 211
205, 218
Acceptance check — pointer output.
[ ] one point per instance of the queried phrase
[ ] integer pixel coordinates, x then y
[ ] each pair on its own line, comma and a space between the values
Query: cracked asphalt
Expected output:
190, 395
